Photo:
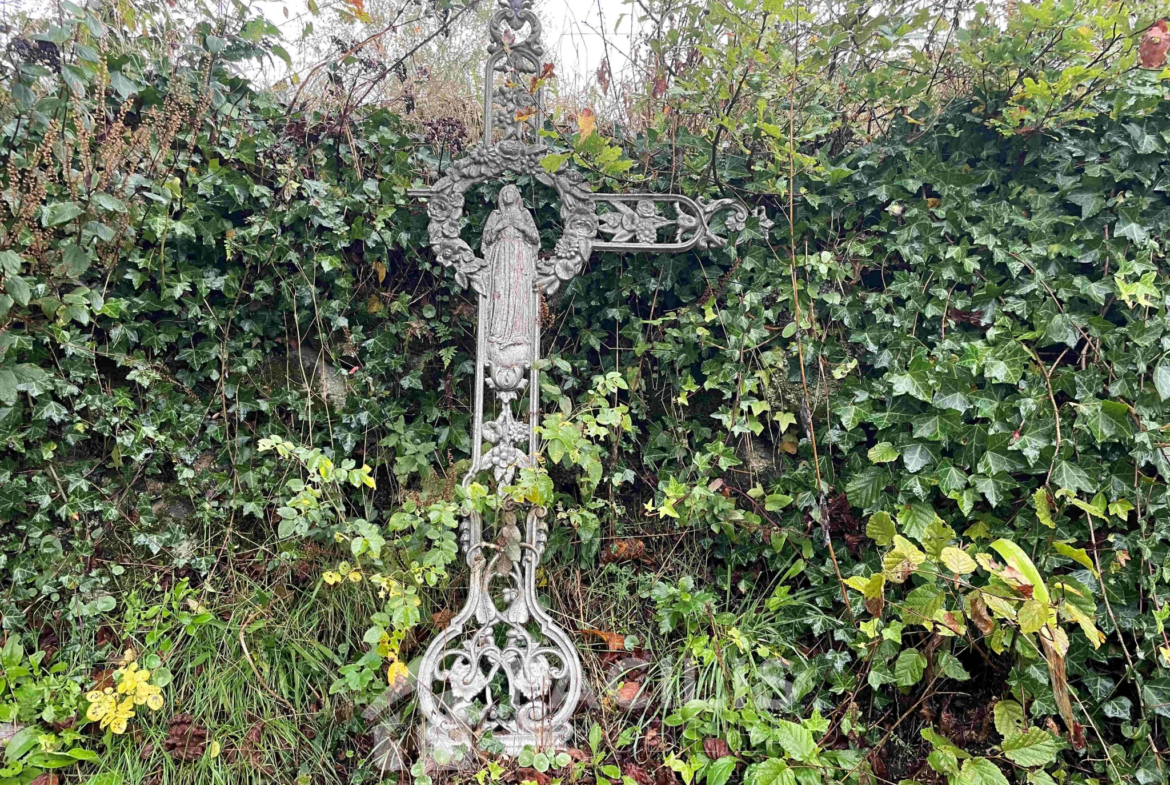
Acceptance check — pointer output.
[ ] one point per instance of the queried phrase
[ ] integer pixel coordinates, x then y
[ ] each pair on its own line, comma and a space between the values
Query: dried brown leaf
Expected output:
715, 748
1154, 45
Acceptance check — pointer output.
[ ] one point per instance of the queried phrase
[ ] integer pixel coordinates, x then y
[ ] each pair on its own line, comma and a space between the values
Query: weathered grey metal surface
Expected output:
502, 630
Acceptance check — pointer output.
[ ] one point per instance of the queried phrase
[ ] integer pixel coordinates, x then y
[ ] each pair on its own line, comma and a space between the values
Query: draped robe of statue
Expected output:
510, 246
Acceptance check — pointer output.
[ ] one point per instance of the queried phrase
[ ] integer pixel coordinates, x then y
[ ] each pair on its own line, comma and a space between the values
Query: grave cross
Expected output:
502, 635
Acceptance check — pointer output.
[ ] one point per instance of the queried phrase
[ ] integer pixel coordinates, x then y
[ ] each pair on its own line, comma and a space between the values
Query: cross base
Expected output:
462, 740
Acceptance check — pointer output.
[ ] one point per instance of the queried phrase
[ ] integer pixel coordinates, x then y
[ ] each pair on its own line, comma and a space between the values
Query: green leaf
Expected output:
1014, 555
772, 771
59, 213
949, 666
1043, 511
958, 561
1032, 616
1009, 718
8, 387
1079, 555
553, 162
916, 457
126, 87
796, 740
914, 383
18, 288
883, 452
864, 488
10, 262
107, 202
914, 518
1034, 747
1069, 475
880, 528
1162, 380
1106, 420
720, 771
909, 667
980, 771
74, 259
1006, 363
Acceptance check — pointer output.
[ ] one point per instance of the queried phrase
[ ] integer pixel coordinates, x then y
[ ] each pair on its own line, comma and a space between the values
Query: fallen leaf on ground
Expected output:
614, 641
623, 550
185, 740
627, 693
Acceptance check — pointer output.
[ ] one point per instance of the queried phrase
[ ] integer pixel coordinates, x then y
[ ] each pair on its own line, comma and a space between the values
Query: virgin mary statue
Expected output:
510, 245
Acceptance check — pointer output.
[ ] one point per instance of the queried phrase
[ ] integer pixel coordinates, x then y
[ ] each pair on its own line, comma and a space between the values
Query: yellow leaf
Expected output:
398, 670
958, 560
1033, 616
380, 269
1076, 554
586, 122
213, 749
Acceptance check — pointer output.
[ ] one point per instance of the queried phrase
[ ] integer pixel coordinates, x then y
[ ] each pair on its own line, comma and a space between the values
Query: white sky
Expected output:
577, 35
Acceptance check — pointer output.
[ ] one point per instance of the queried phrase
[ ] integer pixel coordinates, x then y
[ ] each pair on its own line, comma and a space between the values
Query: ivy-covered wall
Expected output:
957, 339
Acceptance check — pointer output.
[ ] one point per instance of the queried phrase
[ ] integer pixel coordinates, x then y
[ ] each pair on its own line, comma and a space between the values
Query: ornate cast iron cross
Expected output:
502, 664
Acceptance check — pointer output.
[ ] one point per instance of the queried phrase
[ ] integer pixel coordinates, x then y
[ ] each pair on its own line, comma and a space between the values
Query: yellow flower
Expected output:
331, 577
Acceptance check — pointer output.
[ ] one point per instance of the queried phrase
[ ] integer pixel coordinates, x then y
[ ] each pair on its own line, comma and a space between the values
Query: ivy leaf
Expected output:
1069, 475
1106, 420
1061, 329
994, 489
18, 288
75, 260
950, 478
1033, 747
949, 665
1006, 364
8, 386
917, 456
914, 518
914, 383
1162, 380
